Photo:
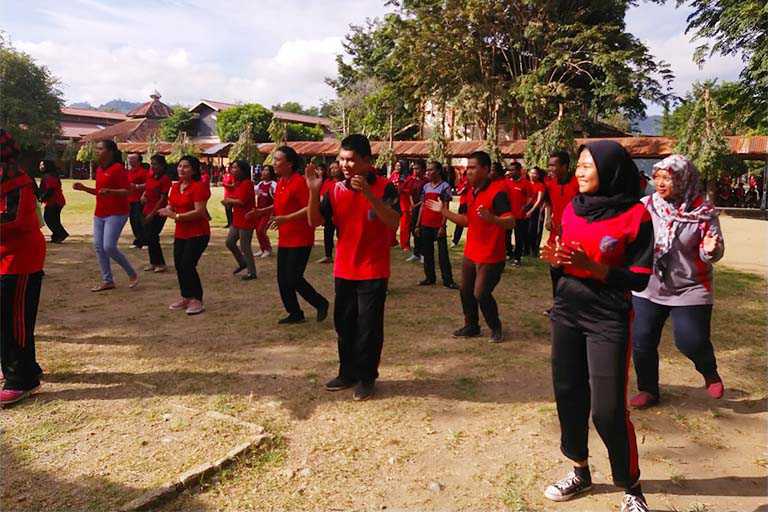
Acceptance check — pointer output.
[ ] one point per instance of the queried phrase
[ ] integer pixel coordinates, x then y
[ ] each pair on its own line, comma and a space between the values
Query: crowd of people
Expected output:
620, 263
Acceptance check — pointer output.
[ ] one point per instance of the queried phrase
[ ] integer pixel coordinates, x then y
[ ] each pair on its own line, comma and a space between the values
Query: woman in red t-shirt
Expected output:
53, 198
155, 196
242, 201
331, 176
187, 202
265, 204
533, 213
295, 238
112, 208
228, 182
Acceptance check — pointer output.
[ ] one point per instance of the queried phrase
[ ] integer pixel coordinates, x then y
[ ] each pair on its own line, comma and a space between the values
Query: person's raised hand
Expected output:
314, 177
434, 205
548, 253
710, 242
166, 212
360, 184
78, 186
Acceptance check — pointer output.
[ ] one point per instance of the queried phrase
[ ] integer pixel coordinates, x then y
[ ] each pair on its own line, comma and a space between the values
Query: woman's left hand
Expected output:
574, 255
710, 242
166, 212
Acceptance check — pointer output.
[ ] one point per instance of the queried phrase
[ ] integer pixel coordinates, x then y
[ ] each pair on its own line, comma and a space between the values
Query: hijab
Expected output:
619, 178
687, 206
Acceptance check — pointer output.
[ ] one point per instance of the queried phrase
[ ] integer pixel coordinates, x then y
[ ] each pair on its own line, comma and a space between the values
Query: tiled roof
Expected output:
97, 114
71, 130
131, 130
154, 109
301, 118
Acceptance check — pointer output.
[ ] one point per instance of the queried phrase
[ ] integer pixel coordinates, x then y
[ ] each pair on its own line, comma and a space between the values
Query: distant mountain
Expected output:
651, 125
117, 105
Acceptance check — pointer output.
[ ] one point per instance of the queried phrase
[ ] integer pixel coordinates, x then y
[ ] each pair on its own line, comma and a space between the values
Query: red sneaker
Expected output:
643, 400
715, 387
11, 396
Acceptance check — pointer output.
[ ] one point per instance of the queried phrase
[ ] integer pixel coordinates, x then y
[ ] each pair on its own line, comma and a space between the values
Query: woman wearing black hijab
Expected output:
605, 251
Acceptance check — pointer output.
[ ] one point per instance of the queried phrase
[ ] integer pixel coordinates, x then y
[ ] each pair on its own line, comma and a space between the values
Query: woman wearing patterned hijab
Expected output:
688, 240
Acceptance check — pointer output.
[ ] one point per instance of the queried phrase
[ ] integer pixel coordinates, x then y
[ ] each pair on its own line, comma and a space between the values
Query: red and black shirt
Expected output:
559, 196
291, 195
22, 245
51, 191
154, 189
485, 240
362, 252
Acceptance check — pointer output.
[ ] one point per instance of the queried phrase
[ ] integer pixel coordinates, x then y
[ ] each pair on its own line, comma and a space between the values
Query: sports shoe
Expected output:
160, 269
421, 259
363, 391
497, 336
238, 270
338, 384
248, 277
292, 320
195, 307
451, 286
179, 304
715, 387
632, 503
149, 268
133, 282
412, 258
643, 400
322, 311
258, 254
103, 286
12, 396
266, 254
468, 331
426, 282
567, 488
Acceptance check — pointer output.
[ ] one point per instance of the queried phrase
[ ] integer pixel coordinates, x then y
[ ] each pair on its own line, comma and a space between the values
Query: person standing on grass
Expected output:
187, 202
604, 251
228, 182
241, 200
688, 241
22, 254
561, 187
295, 238
52, 195
519, 196
331, 176
155, 197
431, 226
402, 180
265, 200
112, 209
417, 182
364, 207
488, 218
137, 175
462, 190
533, 213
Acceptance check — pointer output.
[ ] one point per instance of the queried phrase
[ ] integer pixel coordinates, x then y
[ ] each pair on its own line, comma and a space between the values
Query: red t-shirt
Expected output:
462, 189
205, 179
485, 241
559, 196
265, 193
52, 184
405, 191
114, 177
291, 195
22, 245
440, 192
228, 182
137, 176
534, 188
362, 251
244, 192
607, 241
154, 188
519, 192
183, 202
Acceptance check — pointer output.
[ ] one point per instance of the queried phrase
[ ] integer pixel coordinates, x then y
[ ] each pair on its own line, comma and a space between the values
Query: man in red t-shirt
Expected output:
561, 187
431, 228
137, 176
365, 208
488, 218
519, 197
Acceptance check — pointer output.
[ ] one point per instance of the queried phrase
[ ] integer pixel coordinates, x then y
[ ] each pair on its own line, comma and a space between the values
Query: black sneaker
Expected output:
322, 311
238, 270
567, 488
338, 384
363, 391
496, 336
426, 282
468, 331
248, 277
292, 319
451, 286
632, 503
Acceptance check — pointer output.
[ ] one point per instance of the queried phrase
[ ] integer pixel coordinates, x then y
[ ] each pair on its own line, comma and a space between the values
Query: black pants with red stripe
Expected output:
19, 299
589, 371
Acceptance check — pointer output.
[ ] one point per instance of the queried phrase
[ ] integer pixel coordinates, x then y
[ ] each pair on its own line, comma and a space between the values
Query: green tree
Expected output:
87, 154
296, 131
231, 122
278, 134
181, 120
181, 147
245, 148
296, 108
30, 101
152, 145
557, 136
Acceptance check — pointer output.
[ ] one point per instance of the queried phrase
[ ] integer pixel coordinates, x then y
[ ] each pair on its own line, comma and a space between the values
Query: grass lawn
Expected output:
135, 394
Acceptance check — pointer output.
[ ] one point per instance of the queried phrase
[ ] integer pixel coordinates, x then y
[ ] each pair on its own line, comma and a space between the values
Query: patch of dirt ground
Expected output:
456, 425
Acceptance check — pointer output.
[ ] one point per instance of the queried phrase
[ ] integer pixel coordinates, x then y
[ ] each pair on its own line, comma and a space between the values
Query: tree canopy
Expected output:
231, 122
181, 120
30, 101
296, 108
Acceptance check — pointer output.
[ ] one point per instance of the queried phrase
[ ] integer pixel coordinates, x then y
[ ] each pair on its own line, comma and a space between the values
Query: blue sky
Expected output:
265, 51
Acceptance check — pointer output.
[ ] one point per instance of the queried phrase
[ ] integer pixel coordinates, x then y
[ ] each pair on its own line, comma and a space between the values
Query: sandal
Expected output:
103, 286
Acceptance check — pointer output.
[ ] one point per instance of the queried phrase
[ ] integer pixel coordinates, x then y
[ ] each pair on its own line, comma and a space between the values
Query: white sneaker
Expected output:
195, 307
632, 503
567, 488
257, 254
412, 258
265, 254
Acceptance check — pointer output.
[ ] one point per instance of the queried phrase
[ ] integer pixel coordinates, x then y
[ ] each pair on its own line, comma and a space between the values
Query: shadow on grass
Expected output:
735, 486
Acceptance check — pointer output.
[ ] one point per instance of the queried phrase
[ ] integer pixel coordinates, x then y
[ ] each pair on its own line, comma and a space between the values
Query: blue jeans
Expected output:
691, 329
106, 233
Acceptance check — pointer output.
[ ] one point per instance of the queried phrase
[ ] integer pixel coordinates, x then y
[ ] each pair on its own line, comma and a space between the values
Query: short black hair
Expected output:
291, 155
483, 158
517, 165
138, 155
194, 163
245, 170
49, 167
111, 146
358, 143
270, 170
158, 158
562, 156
